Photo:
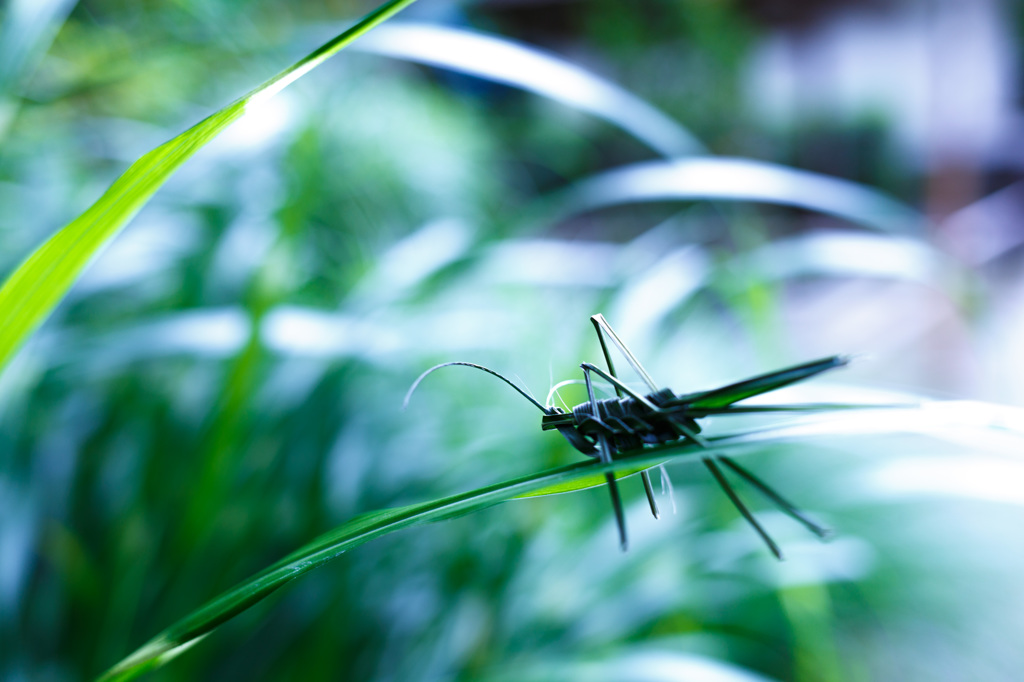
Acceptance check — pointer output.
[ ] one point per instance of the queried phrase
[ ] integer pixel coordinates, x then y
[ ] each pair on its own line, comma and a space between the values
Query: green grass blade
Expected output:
325, 548
583, 482
35, 288
931, 420
186, 632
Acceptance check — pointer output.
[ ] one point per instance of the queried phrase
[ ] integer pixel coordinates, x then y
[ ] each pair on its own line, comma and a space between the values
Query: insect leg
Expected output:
613, 489
605, 453
649, 490
742, 508
599, 323
781, 502
684, 430
614, 381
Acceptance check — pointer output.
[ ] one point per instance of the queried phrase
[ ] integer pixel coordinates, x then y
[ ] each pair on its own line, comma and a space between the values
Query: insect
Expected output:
602, 428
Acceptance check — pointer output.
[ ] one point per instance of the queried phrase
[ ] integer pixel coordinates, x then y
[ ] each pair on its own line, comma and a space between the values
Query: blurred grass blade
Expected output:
655, 659
503, 61
958, 419
727, 395
848, 253
41, 281
736, 179
26, 32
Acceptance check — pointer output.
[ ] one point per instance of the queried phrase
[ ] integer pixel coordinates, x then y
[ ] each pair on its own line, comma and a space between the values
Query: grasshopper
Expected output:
602, 428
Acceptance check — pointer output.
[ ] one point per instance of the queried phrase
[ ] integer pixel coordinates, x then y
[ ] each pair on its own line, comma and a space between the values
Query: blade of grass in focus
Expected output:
187, 631
35, 288
932, 420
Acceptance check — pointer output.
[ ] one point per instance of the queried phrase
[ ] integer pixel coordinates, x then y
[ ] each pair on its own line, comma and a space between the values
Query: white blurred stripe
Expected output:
851, 254
974, 477
737, 179
503, 61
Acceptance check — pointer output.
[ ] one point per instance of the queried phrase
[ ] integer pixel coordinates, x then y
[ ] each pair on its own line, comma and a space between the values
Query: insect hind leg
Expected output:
742, 508
782, 503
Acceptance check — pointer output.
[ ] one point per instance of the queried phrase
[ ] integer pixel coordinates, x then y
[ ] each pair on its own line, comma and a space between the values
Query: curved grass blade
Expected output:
958, 419
850, 253
596, 480
587, 481
26, 32
736, 179
186, 632
503, 61
35, 288
329, 546
583, 482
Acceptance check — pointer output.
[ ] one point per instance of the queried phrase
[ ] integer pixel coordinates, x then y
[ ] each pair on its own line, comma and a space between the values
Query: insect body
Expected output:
628, 423
631, 420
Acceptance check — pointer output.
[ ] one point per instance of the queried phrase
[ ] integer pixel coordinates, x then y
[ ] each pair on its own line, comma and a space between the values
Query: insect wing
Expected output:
727, 395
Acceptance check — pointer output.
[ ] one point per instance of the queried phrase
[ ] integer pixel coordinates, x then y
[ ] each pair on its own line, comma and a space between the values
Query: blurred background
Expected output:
736, 184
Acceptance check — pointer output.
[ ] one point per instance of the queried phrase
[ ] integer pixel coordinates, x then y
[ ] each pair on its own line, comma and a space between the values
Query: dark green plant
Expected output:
171, 434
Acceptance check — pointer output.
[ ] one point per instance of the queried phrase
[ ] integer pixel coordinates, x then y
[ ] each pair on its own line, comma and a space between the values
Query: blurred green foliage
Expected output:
225, 384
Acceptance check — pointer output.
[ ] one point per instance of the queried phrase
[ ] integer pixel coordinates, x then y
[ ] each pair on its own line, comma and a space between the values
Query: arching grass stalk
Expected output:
35, 288
193, 627
933, 420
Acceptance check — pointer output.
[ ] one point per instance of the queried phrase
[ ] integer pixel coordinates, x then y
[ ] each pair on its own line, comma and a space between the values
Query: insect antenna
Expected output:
782, 503
742, 508
415, 384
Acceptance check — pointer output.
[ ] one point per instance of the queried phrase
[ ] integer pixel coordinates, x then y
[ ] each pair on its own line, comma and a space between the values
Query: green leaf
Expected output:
717, 178
35, 288
931, 420
582, 483
355, 532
